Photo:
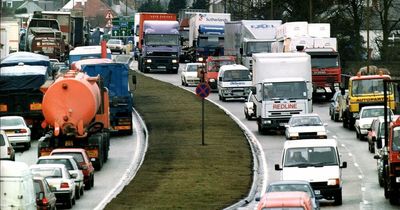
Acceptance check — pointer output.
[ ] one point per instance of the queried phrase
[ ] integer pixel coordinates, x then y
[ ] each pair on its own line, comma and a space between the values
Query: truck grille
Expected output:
283, 113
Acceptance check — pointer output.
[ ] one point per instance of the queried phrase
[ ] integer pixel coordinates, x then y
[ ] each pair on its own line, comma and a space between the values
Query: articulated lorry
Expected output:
282, 88
206, 35
160, 46
314, 39
245, 37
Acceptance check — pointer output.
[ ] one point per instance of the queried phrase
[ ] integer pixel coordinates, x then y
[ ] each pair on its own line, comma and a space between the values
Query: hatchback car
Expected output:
83, 159
17, 131
367, 114
189, 74
295, 185
58, 178
45, 197
305, 126
73, 167
6, 150
116, 45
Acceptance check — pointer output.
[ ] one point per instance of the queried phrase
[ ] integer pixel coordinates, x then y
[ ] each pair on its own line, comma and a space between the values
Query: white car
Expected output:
59, 178
6, 150
366, 116
17, 131
305, 126
189, 74
73, 167
248, 105
116, 45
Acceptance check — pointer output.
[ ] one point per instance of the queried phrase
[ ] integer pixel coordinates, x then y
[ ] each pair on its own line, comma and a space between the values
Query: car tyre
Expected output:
247, 116
27, 145
358, 135
82, 191
380, 179
77, 194
336, 117
69, 204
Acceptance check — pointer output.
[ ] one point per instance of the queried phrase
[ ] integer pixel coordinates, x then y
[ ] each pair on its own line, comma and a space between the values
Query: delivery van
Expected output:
16, 186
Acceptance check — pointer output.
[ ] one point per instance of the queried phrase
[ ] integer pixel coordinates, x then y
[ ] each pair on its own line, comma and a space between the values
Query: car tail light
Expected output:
22, 131
45, 201
64, 185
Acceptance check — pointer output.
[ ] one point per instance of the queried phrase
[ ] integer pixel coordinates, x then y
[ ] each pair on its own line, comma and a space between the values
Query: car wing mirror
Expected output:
257, 199
277, 167
319, 197
73, 175
344, 164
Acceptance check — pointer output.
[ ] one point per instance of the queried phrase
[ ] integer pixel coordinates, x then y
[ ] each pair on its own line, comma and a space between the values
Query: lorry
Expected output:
234, 81
73, 25
365, 90
160, 46
12, 28
245, 37
22, 76
206, 35
44, 36
314, 39
115, 78
281, 88
389, 149
76, 114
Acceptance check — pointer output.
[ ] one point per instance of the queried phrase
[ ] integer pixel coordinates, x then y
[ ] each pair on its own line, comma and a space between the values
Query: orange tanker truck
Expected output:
76, 114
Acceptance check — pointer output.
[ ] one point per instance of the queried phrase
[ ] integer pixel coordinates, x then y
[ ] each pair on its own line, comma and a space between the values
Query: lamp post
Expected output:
272, 9
126, 7
368, 53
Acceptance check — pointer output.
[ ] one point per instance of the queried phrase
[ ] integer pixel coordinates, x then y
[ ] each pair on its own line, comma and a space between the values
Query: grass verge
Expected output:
178, 171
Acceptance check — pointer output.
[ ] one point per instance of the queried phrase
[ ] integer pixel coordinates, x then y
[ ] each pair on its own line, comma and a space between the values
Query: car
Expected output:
7, 151
316, 161
116, 45
17, 131
59, 179
364, 120
295, 185
334, 106
305, 126
249, 111
83, 159
72, 166
189, 74
45, 197
285, 200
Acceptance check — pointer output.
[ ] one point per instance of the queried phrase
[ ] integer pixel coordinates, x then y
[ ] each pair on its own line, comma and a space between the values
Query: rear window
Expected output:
36, 185
65, 162
77, 155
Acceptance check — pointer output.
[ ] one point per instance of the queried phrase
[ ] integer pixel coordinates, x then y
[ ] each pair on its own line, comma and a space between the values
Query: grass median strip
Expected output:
178, 172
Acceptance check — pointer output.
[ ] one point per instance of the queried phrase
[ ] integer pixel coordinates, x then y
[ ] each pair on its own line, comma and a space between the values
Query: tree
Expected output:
200, 4
175, 5
151, 6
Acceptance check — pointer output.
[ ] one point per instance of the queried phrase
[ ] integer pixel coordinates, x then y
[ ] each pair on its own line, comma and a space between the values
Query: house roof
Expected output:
30, 7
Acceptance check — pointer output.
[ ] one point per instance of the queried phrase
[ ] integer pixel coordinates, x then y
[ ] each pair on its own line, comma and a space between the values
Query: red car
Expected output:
83, 159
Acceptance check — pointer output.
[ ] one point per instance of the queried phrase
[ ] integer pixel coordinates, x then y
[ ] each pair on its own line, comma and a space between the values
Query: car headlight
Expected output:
335, 181
212, 80
293, 134
148, 61
227, 90
266, 122
365, 126
174, 61
38, 43
200, 59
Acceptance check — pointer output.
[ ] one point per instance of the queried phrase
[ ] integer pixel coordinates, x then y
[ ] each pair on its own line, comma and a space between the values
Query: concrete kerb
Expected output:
130, 173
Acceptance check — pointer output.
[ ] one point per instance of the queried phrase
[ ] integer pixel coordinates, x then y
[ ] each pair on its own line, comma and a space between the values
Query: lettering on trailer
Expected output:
284, 106
212, 19
262, 26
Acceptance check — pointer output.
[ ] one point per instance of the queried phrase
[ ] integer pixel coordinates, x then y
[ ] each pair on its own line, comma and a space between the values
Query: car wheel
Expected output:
82, 191
247, 116
380, 179
77, 194
92, 181
27, 145
68, 204
74, 200
336, 117
182, 83
357, 135
331, 115
371, 148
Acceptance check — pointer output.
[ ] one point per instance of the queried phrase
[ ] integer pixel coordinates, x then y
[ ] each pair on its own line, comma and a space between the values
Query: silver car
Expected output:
6, 150
17, 131
305, 126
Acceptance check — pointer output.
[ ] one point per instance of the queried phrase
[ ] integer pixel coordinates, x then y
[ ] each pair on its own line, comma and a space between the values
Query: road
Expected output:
360, 183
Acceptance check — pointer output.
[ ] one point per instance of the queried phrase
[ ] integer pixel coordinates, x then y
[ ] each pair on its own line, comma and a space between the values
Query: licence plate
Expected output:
92, 153
317, 192
69, 143
161, 67
398, 179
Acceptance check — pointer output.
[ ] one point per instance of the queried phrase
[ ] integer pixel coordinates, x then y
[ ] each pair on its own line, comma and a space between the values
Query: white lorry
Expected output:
234, 81
281, 88
245, 37
12, 28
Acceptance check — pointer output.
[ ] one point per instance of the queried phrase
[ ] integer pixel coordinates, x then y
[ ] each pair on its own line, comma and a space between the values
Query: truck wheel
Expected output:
338, 198
393, 199
260, 128
357, 135
380, 179
336, 117
344, 122
68, 204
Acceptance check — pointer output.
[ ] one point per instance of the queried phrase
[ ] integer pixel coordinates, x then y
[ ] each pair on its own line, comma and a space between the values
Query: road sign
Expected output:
203, 90
109, 15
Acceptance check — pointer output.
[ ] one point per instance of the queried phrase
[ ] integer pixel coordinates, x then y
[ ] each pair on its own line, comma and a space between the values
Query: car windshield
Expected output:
305, 121
290, 187
285, 90
237, 75
2, 141
47, 172
114, 41
368, 87
36, 185
4, 122
65, 162
213, 66
162, 39
310, 157
192, 68
257, 47
396, 139
324, 61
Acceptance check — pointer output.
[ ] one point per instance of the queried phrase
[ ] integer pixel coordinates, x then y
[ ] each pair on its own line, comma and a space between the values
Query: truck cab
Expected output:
234, 81
213, 64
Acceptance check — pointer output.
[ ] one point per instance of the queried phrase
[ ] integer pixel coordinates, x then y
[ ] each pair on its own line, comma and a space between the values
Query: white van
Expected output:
234, 81
316, 161
16, 186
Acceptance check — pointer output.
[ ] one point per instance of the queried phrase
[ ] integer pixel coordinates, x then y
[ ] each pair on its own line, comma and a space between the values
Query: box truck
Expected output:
281, 88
